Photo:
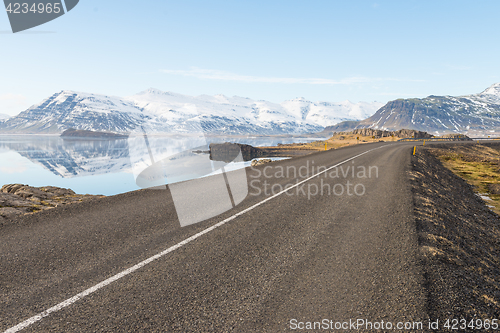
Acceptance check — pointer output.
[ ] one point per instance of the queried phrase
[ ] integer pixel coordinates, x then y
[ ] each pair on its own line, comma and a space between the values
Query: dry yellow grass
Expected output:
335, 142
479, 165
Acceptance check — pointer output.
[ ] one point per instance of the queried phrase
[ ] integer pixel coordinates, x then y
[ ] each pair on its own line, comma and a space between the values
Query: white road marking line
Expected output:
132, 269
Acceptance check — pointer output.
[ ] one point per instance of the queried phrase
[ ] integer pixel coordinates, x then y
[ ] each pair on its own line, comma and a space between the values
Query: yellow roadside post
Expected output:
424, 143
325, 145
414, 149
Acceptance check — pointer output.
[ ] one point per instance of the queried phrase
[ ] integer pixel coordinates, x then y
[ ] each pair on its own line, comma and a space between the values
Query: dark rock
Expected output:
227, 151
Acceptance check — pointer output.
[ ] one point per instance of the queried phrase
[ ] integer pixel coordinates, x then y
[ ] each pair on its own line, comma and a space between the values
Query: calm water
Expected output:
93, 166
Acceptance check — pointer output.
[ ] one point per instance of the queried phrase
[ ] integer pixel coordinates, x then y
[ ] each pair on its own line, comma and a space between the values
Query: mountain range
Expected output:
165, 112
476, 114
155, 111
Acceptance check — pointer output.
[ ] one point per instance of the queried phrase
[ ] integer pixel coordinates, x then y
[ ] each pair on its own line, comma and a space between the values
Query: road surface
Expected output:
297, 257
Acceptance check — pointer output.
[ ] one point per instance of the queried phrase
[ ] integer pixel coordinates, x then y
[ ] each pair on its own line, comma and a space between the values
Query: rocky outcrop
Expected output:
227, 151
403, 133
17, 199
260, 162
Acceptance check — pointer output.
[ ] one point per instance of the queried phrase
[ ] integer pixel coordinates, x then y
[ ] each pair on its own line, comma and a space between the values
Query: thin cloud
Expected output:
212, 74
12, 104
15, 98
458, 67
393, 94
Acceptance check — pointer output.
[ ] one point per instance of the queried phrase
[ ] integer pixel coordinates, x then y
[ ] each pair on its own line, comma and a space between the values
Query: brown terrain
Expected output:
458, 234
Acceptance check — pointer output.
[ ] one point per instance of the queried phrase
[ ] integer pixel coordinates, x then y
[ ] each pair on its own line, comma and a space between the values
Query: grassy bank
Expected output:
478, 164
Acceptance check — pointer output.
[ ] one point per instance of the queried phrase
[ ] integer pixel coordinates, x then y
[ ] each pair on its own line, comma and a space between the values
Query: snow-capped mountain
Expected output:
326, 113
4, 116
476, 113
69, 109
165, 112
216, 114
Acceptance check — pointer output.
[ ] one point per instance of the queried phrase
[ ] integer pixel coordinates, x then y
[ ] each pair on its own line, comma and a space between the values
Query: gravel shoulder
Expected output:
459, 240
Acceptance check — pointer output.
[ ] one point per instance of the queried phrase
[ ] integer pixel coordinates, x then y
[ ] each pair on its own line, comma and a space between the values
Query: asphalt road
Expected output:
309, 258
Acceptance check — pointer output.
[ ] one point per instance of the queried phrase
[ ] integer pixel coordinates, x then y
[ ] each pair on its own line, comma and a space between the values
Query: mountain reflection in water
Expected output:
93, 166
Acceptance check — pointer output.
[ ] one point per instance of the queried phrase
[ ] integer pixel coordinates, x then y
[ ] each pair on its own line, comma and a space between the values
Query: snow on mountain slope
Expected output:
491, 95
156, 111
216, 114
4, 116
153, 100
494, 90
69, 109
326, 113
475, 114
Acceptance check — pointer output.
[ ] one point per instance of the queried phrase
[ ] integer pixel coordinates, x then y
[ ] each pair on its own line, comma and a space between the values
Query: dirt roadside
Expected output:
459, 238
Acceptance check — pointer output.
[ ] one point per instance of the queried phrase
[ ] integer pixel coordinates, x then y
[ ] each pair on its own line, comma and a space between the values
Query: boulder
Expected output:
260, 162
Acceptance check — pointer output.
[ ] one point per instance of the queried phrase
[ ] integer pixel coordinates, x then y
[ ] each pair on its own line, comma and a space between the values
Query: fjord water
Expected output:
92, 166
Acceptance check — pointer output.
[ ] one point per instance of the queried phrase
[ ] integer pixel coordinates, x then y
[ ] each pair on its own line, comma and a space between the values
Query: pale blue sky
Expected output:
272, 50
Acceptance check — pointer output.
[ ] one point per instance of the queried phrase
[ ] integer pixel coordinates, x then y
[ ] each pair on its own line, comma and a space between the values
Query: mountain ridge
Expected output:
475, 114
157, 111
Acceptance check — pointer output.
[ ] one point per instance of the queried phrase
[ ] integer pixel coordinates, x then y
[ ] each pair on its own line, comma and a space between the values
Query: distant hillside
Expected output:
436, 114
340, 127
